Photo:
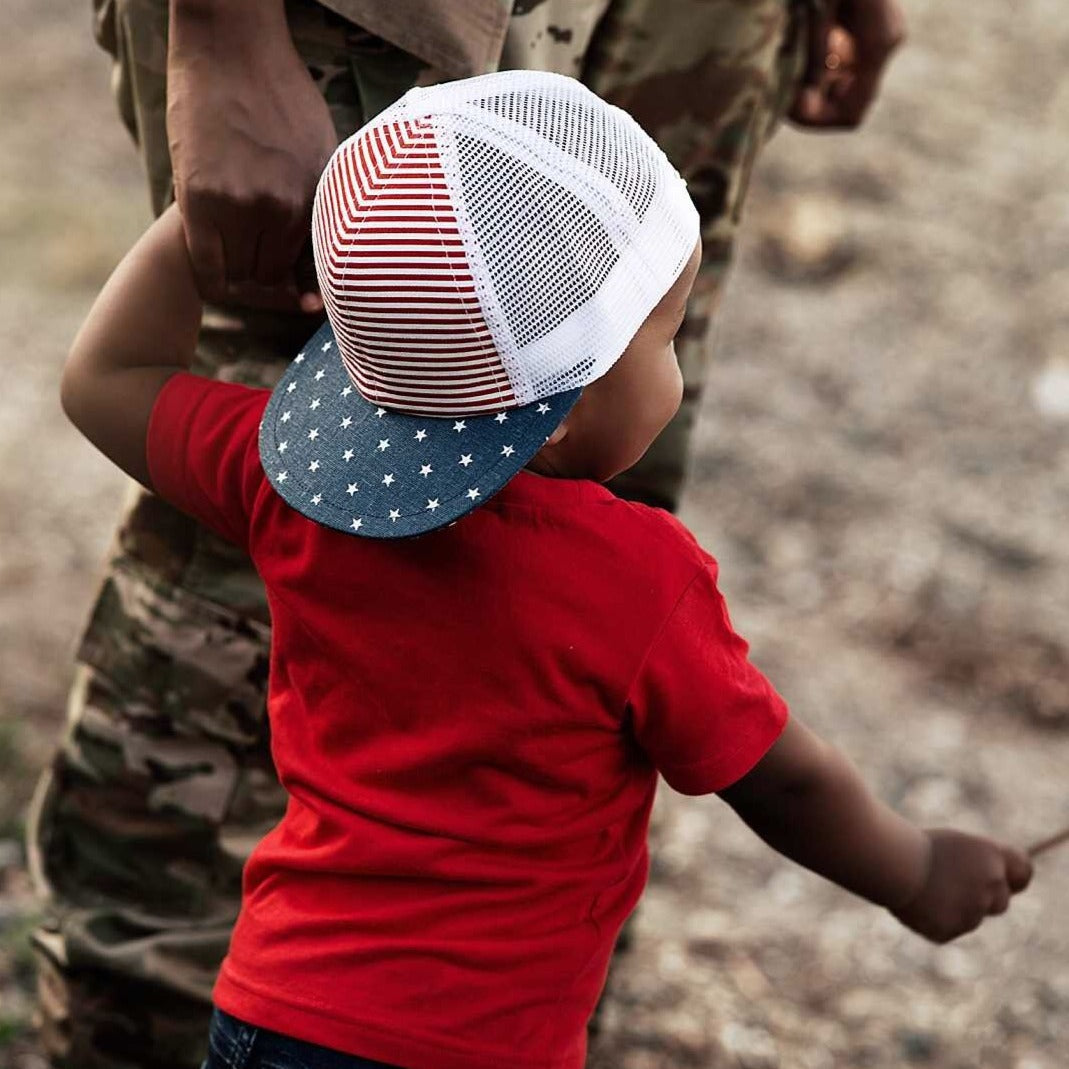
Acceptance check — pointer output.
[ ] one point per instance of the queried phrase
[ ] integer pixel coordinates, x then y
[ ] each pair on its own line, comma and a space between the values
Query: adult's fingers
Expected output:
240, 229
205, 245
304, 269
281, 298
816, 48
281, 241
820, 101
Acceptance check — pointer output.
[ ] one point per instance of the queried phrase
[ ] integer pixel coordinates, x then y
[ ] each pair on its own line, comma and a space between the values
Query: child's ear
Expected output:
558, 435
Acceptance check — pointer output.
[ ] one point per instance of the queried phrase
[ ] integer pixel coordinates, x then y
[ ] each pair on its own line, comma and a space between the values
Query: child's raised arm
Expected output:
807, 801
141, 329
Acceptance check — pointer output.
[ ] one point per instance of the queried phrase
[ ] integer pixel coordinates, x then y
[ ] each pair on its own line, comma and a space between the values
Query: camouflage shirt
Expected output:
457, 37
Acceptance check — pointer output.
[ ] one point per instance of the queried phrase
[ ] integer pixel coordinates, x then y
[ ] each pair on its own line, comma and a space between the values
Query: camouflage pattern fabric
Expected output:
163, 782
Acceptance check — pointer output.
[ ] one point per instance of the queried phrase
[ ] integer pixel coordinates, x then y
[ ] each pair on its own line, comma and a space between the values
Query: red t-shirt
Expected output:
469, 725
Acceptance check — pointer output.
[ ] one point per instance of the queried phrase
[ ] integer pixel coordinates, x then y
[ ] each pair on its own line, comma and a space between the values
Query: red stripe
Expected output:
375, 286
387, 240
385, 326
461, 302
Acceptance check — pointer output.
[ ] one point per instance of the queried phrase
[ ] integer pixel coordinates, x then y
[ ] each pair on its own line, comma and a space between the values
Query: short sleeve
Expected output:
701, 711
203, 454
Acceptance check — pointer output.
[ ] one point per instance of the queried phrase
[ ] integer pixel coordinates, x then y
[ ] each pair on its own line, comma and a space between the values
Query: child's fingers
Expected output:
1000, 900
1018, 869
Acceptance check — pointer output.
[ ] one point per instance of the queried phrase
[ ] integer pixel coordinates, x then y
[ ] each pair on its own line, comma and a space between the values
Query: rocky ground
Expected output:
883, 471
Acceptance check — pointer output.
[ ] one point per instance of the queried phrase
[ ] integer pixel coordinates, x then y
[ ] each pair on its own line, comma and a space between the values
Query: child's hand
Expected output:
969, 878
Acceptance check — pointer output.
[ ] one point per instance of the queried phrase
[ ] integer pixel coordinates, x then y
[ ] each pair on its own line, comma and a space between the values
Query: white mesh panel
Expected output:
574, 223
556, 237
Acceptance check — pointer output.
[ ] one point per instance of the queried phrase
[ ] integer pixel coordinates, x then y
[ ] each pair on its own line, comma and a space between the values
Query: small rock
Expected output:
10, 854
1050, 390
918, 1047
808, 241
752, 1047
955, 963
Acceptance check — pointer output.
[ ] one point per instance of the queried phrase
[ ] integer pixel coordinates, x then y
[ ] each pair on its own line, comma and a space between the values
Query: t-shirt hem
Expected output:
393, 1045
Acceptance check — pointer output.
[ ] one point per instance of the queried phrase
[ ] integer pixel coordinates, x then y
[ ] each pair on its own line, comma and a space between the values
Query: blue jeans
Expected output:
233, 1044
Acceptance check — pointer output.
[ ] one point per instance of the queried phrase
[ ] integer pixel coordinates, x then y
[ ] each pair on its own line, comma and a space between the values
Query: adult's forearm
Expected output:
226, 15
216, 34
834, 826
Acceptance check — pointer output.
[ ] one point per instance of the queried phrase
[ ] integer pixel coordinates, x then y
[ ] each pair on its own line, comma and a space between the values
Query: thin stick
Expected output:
1049, 843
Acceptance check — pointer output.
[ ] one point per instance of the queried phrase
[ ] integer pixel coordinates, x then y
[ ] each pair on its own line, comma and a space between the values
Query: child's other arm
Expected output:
140, 331
807, 801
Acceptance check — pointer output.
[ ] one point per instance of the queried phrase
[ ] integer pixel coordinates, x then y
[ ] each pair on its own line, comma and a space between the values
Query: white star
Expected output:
313, 434
319, 374
299, 359
317, 499
281, 476
352, 489
465, 459
432, 503
507, 450
395, 515
347, 422
347, 455
357, 523
283, 446
473, 493
420, 435
543, 408
384, 444
286, 417
460, 425
380, 412
314, 466
500, 417
327, 345
314, 404
388, 480
348, 390
291, 387
425, 470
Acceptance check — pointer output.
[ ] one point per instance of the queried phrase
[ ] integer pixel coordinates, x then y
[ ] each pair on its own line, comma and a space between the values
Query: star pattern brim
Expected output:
357, 467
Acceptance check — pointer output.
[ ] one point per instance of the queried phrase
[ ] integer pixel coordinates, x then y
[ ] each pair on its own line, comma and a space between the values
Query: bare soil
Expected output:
882, 470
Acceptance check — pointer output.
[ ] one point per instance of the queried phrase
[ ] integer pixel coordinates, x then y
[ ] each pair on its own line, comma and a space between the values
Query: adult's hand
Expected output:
848, 51
249, 135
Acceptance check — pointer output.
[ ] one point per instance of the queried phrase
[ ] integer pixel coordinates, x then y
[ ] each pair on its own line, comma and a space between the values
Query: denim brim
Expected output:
357, 467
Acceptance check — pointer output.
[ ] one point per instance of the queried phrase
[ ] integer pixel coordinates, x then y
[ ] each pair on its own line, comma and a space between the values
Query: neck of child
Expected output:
540, 465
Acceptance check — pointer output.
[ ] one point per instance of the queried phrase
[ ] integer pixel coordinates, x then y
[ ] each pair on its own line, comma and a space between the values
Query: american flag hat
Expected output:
485, 249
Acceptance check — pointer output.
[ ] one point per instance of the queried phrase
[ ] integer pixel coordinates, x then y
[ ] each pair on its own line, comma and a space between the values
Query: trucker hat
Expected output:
485, 249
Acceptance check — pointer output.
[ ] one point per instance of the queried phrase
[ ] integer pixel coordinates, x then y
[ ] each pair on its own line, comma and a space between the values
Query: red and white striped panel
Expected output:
396, 280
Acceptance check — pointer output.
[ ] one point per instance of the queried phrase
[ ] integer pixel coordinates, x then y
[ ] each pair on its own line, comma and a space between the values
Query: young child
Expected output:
470, 723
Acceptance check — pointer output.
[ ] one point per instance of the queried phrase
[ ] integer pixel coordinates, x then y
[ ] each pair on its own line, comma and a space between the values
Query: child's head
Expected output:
618, 416
487, 251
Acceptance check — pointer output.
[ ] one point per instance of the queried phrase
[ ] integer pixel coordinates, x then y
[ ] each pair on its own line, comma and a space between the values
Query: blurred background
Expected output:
882, 470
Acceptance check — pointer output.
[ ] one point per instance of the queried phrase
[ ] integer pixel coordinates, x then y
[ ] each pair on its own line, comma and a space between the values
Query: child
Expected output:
470, 723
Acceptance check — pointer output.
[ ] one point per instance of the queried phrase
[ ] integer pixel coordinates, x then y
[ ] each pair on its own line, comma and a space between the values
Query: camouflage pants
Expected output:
163, 782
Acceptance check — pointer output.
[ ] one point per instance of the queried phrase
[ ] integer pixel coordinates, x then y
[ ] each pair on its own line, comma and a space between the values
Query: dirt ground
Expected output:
882, 469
